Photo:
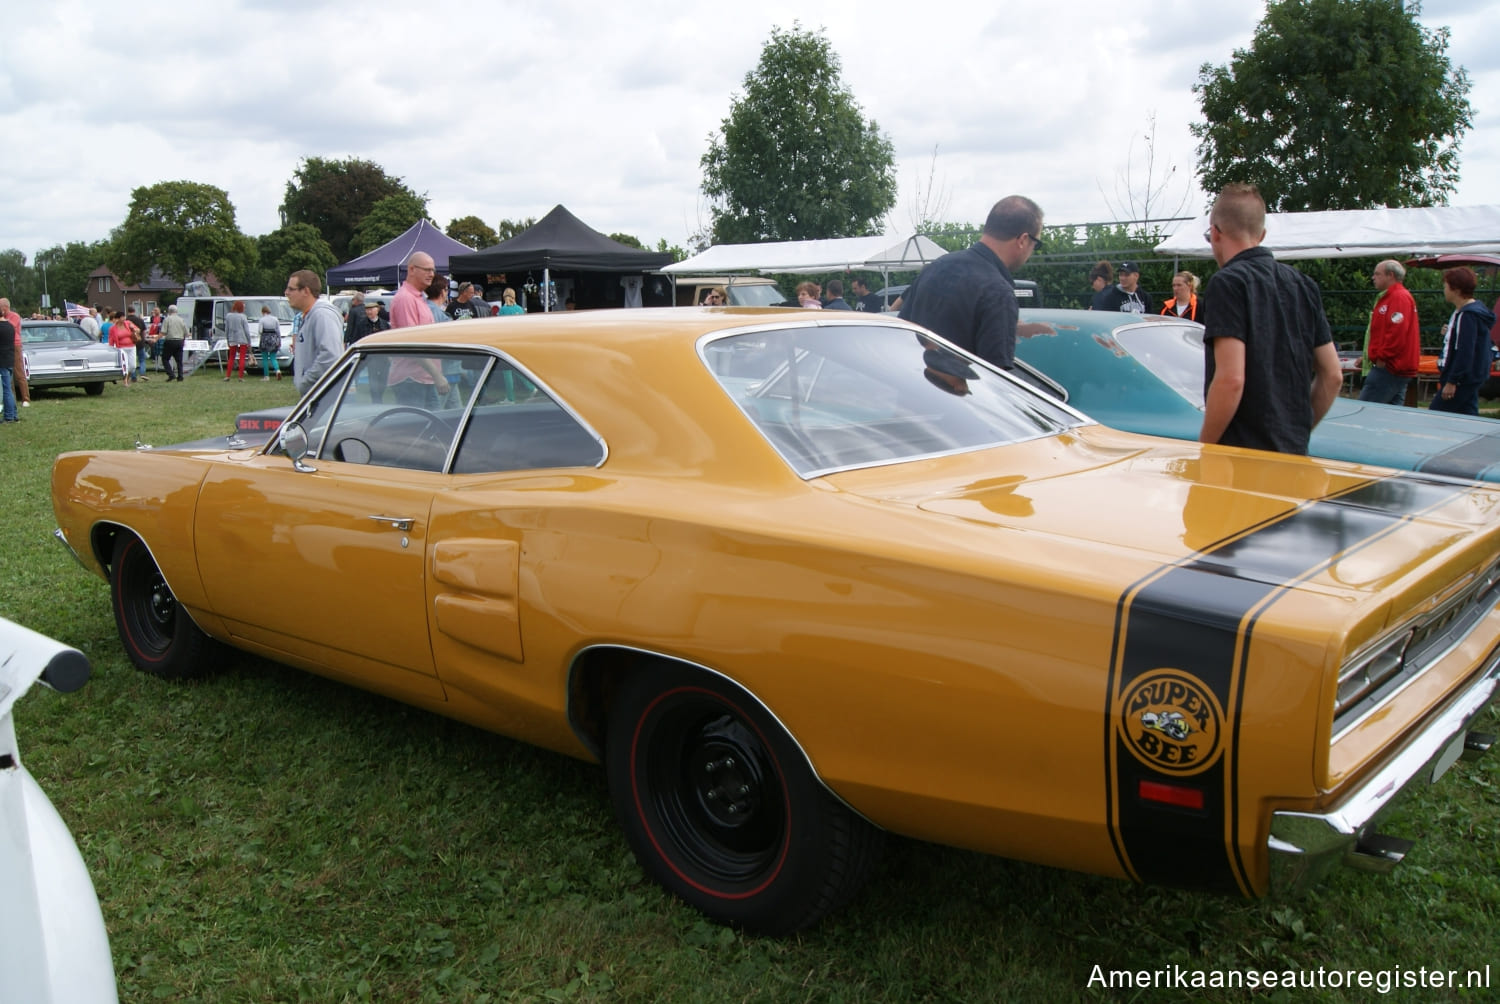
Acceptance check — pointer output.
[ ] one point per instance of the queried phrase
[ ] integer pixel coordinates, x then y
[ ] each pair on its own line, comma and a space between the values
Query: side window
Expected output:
398, 409
515, 426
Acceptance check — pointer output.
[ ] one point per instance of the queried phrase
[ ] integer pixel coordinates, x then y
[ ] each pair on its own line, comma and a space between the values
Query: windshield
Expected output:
1174, 353
34, 334
280, 308
758, 295
832, 397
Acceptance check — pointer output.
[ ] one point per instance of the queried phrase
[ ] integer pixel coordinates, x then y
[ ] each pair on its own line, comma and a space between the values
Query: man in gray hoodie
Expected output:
320, 339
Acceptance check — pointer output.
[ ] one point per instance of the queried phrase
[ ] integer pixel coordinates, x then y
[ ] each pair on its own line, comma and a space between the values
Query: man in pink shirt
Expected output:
417, 382
23, 388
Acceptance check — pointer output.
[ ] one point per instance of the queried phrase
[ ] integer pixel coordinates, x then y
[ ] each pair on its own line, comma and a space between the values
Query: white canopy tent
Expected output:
1360, 233
879, 254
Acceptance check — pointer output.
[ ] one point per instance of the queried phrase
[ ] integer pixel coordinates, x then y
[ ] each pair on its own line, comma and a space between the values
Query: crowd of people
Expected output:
1265, 331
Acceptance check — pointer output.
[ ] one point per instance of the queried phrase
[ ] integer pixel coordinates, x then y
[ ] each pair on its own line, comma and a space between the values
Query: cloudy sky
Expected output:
504, 110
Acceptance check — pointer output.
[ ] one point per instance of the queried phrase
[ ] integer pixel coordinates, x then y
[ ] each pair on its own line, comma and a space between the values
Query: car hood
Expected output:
1460, 446
1135, 503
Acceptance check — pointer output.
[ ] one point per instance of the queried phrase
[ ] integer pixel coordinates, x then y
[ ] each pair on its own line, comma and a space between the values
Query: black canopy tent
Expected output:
558, 243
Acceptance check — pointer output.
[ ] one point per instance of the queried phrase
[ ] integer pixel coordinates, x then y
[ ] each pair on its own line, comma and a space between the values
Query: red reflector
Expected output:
1171, 794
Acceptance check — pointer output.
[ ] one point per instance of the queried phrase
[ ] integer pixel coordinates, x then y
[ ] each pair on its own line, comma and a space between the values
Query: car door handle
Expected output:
402, 523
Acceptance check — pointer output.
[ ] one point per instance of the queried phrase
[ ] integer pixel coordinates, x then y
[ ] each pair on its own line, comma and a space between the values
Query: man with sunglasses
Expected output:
969, 297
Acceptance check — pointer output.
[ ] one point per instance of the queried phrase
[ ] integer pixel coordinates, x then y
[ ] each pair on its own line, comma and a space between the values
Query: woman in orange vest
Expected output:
1184, 301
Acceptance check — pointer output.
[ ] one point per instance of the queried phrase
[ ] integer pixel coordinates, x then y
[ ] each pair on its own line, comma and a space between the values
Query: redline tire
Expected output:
722, 809
158, 636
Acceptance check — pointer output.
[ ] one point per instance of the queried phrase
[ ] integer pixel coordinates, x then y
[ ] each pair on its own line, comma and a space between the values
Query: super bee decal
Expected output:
1182, 642
1170, 721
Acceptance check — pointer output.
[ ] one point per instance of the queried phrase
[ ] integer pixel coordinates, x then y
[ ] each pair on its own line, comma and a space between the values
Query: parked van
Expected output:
205, 319
743, 290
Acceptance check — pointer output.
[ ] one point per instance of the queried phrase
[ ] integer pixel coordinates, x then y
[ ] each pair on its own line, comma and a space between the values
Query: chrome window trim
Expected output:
350, 359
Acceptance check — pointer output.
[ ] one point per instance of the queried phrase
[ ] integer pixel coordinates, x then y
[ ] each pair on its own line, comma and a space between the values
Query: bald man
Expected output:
409, 305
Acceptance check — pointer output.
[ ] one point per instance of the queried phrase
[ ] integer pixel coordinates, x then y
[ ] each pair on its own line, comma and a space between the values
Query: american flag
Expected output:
76, 310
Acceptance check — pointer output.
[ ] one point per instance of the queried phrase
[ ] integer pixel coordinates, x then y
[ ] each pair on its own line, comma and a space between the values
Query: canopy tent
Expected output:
386, 265
1360, 233
879, 254
559, 242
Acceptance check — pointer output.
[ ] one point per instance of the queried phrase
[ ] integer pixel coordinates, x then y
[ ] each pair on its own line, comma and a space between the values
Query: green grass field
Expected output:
265, 835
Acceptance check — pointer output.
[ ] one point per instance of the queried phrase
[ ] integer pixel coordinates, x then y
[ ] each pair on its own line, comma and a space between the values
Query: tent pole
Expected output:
546, 290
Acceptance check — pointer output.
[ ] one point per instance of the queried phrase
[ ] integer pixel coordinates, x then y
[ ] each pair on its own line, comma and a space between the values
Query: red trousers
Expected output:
241, 352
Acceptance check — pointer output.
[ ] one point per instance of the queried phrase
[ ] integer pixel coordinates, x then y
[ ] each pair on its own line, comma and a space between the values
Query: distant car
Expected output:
1144, 373
205, 318
798, 576
743, 290
53, 944
61, 354
1028, 293
342, 300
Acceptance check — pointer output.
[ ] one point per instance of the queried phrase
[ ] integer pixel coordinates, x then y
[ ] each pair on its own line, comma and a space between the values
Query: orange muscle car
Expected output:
800, 578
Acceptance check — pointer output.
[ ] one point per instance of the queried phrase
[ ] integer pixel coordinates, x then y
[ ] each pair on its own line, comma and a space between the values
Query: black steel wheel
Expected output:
721, 807
159, 637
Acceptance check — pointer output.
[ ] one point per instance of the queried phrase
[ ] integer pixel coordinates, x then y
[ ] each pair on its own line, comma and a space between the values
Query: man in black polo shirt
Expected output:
969, 297
1265, 336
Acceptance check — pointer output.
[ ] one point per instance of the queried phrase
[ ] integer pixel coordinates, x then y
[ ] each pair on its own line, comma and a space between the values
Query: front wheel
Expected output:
158, 635
721, 807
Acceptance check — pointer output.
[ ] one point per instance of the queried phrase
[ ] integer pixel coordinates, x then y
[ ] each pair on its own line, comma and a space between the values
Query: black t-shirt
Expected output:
463, 311
7, 345
1278, 313
872, 303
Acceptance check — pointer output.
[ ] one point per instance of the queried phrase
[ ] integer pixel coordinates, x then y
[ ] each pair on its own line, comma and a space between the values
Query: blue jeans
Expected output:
1384, 387
8, 393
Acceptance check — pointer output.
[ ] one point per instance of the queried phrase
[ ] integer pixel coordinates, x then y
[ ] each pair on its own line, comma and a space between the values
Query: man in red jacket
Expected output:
1394, 344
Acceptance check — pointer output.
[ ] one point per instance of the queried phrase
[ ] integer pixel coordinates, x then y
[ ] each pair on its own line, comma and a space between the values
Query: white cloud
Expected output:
504, 109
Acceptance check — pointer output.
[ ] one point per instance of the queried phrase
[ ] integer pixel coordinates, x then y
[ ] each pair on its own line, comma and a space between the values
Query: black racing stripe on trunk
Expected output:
1469, 459
1178, 653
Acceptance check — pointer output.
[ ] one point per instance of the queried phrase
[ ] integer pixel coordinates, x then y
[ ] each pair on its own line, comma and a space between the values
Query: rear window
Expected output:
835, 396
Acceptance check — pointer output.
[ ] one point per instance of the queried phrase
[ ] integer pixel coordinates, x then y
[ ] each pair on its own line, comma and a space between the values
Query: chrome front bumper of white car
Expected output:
1306, 845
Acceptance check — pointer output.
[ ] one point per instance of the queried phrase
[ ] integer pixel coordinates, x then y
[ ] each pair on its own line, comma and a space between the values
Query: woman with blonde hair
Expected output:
1184, 301
510, 306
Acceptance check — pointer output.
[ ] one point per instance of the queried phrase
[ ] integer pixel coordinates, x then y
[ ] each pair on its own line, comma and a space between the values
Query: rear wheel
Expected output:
721, 807
158, 635
94, 389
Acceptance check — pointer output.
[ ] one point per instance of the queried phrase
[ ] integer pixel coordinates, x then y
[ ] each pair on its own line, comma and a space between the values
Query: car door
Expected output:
327, 565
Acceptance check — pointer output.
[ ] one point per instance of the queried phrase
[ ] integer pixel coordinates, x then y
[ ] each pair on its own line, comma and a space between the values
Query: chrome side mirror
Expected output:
294, 442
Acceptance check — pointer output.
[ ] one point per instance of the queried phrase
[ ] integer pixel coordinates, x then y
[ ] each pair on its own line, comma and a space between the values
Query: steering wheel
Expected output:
434, 430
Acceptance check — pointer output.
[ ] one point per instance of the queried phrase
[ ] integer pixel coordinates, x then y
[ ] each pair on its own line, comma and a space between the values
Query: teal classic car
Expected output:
1145, 374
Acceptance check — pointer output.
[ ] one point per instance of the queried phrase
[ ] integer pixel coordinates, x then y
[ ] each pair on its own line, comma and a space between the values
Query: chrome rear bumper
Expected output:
1304, 846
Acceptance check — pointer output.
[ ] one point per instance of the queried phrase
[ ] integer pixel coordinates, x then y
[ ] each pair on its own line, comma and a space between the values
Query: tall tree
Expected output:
284, 251
796, 159
68, 267
473, 231
628, 240
19, 283
387, 219
1337, 104
506, 229
184, 228
335, 196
